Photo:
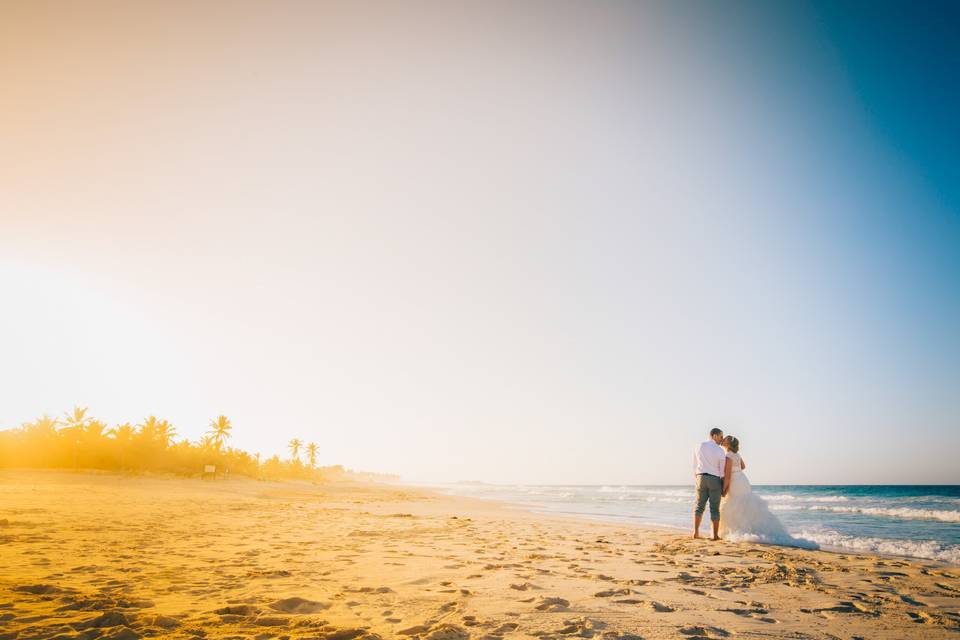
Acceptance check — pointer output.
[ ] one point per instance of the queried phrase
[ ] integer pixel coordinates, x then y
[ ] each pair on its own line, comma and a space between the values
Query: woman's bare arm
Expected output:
727, 470
743, 465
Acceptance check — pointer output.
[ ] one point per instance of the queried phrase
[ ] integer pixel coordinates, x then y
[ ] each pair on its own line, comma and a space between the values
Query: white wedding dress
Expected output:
744, 515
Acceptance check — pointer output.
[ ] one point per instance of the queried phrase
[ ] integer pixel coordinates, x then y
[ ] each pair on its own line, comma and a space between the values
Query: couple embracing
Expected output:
735, 510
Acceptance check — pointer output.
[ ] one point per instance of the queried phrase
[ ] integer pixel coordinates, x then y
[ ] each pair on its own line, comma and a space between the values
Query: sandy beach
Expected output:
86, 555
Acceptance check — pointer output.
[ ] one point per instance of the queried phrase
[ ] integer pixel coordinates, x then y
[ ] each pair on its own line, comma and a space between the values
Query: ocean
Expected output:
898, 520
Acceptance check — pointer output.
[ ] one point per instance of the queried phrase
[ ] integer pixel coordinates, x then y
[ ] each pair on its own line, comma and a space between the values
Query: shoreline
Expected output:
106, 557
546, 508
653, 528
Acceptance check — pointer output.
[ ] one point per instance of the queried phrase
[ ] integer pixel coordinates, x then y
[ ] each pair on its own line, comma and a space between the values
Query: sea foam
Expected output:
903, 513
930, 549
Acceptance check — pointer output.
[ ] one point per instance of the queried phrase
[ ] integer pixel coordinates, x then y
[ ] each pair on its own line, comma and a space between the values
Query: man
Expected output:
708, 462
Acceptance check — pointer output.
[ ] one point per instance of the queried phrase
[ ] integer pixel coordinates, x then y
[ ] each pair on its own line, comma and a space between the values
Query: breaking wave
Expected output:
929, 549
903, 513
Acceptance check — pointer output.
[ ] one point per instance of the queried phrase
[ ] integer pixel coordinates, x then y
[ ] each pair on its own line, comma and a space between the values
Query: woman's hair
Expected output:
732, 443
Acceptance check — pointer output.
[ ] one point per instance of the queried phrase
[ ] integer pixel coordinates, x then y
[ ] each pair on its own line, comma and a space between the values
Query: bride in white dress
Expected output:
744, 515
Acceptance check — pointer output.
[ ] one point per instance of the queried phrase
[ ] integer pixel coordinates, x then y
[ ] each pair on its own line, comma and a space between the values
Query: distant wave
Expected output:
904, 513
929, 549
688, 494
648, 491
557, 492
781, 497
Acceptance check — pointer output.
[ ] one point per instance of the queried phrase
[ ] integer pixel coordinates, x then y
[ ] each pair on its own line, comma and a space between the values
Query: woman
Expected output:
743, 514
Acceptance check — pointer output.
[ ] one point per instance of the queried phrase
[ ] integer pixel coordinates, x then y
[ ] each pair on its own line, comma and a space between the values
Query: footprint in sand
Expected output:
298, 605
754, 612
845, 606
447, 631
946, 587
581, 626
657, 607
414, 630
243, 610
916, 603
164, 622
948, 619
41, 589
704, 632
109, 619
553, 604
612, 592
449, 606
371, 590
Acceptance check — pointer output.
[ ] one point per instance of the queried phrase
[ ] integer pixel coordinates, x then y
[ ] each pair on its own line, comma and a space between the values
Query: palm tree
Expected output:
165, 433
74, 421
148, 428
94, 430
44, 424
295, 445
312, 454
123, 434
91, 438
40, 438
220, 431
43, 429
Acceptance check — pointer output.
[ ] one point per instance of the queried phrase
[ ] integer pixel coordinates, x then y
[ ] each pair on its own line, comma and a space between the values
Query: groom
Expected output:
708, 460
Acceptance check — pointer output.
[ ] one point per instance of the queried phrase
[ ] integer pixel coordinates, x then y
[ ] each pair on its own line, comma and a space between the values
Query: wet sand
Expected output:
99, 556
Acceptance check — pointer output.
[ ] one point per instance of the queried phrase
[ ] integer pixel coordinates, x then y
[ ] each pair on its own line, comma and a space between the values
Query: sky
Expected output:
534, 242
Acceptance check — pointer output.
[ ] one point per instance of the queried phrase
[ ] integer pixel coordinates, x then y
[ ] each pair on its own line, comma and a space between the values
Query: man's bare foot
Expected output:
715, 538
696, 536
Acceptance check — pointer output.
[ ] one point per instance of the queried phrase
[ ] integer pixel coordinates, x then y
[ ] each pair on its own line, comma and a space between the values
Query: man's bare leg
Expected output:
716, 529
696, 525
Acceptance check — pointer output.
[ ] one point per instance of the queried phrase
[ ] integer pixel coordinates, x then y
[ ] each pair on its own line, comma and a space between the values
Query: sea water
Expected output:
900, 520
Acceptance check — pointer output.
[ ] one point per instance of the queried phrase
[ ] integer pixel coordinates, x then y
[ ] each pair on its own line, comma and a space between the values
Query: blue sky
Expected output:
538, 242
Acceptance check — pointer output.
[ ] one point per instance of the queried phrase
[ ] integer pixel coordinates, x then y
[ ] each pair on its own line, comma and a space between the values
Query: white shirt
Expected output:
709, 457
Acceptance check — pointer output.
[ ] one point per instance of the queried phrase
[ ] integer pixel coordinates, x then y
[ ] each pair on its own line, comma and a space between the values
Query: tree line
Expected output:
79, 441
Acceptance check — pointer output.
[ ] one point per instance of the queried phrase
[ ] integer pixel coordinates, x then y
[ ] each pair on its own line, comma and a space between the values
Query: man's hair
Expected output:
716, 432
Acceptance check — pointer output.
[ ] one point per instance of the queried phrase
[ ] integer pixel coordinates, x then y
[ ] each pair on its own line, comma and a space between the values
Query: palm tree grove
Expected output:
77, 440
